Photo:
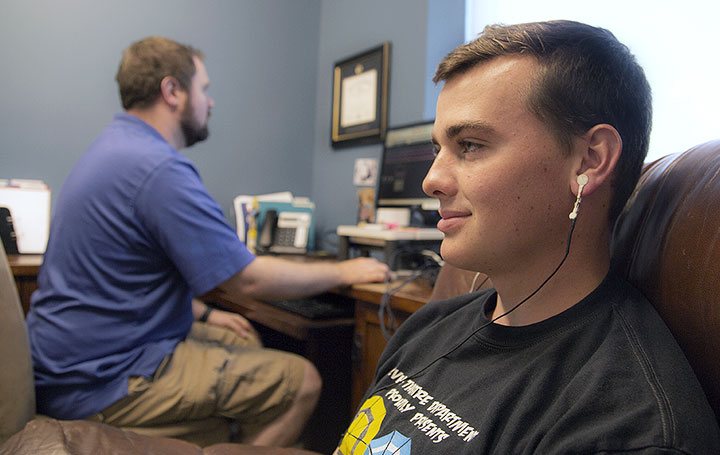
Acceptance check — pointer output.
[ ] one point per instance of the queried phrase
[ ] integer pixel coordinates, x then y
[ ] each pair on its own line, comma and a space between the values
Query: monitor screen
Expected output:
407, 157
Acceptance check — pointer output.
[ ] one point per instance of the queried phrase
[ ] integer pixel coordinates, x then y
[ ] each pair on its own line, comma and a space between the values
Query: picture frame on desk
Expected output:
360, 98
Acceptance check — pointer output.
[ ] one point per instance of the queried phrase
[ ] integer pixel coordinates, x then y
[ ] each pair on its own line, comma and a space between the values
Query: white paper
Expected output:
242, 205
282, 196
30, 211
359, 99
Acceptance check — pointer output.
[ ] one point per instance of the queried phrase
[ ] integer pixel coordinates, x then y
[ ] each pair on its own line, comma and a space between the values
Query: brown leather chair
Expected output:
21, 432
667, 243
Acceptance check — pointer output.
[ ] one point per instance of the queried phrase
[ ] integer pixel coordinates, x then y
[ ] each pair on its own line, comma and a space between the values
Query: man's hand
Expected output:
232, 321
363, 270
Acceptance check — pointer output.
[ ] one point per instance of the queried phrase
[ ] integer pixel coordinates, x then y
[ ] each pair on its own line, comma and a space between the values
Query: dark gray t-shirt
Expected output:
604, 376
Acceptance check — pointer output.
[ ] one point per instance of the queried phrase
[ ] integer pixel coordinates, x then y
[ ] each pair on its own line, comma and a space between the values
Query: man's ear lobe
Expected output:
602, 149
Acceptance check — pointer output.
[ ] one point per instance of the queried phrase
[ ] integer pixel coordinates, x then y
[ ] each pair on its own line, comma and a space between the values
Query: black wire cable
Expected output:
385, 309
432, 263
474, 332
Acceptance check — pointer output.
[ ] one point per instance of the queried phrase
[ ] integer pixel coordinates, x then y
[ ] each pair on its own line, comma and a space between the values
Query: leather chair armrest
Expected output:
81, 437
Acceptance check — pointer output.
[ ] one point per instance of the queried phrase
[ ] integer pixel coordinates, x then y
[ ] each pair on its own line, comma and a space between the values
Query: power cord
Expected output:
474, 288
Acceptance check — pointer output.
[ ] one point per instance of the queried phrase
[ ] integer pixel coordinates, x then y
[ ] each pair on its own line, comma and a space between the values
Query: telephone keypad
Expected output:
285, 236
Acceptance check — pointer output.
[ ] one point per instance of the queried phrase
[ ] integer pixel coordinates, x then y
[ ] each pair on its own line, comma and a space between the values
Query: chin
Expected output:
456, 255
465, 254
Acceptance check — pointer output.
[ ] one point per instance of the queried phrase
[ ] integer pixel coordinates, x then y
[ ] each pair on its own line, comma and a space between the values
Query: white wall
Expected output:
676, 43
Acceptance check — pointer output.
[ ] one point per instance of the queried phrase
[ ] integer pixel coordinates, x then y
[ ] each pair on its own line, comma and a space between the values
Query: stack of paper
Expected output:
29, 205
250, 213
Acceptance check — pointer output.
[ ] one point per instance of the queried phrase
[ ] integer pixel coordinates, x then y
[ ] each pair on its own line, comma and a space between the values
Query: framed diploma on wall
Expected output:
360, 97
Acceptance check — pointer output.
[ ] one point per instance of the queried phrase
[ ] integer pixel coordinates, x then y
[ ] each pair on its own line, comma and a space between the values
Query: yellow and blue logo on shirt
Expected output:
359, 438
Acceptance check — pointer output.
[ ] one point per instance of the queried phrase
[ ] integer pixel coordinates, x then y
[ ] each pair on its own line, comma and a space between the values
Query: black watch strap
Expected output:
206, 313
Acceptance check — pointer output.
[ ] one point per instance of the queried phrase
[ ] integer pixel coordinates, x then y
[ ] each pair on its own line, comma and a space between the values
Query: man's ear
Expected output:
171, 92
602, 147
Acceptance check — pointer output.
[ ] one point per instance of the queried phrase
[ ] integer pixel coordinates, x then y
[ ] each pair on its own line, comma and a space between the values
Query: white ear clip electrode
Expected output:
582, 180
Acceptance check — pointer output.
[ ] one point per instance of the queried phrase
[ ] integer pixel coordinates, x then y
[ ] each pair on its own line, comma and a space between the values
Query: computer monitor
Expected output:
407, 156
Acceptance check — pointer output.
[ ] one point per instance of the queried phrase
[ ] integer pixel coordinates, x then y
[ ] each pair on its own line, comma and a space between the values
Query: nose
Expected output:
439, 181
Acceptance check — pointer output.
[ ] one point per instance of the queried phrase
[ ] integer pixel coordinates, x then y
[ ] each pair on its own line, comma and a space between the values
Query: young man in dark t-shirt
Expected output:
541, 131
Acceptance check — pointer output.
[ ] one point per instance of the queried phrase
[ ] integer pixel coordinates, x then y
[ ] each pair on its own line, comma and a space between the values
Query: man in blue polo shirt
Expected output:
135, 236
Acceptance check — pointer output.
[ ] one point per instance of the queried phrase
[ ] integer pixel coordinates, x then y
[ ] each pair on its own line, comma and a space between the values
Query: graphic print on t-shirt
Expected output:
364, 427
403, 402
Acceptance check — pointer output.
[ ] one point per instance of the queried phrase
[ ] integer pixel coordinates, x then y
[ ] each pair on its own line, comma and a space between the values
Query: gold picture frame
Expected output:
360, 97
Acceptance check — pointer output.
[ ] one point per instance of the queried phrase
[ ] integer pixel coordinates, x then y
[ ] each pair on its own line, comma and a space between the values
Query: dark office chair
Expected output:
667, 243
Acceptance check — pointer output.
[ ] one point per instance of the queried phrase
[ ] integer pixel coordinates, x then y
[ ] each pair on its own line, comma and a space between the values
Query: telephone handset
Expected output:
267, 234
286, 232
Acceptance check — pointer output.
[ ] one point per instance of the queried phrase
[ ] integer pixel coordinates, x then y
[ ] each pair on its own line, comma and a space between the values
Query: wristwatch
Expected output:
206, 313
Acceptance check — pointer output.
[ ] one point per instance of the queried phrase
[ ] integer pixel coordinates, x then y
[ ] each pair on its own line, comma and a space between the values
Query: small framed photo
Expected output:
366, 172
360, 97
366, 205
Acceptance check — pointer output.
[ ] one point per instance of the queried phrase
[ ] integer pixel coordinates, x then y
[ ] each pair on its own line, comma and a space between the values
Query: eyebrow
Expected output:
479, 127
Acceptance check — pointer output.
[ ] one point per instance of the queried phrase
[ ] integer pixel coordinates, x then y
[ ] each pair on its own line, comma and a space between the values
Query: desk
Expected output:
345, 350
369, 341
327, 344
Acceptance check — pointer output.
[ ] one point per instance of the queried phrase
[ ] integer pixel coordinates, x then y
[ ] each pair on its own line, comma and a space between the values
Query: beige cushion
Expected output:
17, 393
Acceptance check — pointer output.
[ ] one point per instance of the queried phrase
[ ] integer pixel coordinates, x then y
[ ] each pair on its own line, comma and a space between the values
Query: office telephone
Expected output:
285, 232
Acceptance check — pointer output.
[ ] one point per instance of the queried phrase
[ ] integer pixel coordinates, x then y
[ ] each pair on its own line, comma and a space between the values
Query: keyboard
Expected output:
324, 306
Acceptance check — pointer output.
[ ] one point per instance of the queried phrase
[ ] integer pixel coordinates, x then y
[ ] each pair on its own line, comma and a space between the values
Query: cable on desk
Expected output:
385, 309
430, 267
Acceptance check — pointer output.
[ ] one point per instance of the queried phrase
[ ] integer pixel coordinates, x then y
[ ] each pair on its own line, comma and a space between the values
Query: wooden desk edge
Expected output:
25, 264
409, 299
287, 322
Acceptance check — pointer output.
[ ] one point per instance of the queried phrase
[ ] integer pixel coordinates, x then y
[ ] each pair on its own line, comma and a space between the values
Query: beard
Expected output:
192, 132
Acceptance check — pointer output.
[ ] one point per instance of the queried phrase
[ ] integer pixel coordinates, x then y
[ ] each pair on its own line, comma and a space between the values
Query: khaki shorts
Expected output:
213, 373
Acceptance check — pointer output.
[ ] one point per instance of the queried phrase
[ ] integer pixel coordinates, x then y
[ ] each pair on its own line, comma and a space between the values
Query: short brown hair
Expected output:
587, 77
144, 65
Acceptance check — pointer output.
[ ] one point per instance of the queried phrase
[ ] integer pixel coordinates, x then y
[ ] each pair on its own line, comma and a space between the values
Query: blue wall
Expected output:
270, 64
58, 66
420, 32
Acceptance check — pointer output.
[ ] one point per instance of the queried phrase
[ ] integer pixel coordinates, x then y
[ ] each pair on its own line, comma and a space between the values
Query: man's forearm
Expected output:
269, 278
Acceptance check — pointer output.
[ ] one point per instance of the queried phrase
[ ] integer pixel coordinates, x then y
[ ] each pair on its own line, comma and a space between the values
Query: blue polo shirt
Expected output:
134, 236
